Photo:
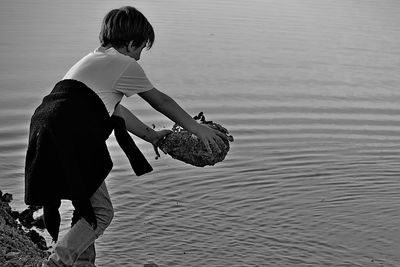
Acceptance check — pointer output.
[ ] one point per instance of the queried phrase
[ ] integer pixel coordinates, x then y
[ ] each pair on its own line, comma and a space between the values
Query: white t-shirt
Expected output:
111, 75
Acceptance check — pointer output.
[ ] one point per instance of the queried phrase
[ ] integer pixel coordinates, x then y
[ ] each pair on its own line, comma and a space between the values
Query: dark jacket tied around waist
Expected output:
67, 155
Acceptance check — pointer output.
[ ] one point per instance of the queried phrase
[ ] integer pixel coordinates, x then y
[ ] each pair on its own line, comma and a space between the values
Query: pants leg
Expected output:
87, 258
80, 239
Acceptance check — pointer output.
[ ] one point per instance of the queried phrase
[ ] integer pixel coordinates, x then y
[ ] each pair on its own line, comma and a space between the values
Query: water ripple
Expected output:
309, 91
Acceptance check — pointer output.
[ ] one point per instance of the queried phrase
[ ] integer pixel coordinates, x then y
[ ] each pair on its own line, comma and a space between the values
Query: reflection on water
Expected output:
307, 88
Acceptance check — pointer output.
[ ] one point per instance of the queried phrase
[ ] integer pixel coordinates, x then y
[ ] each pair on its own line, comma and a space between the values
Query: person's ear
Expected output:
131, 46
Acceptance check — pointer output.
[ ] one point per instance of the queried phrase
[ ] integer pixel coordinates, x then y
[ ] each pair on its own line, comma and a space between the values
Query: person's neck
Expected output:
121, 50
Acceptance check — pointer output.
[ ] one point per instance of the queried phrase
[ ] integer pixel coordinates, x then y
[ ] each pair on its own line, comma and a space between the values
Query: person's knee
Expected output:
103, 208
108, 216
104, 218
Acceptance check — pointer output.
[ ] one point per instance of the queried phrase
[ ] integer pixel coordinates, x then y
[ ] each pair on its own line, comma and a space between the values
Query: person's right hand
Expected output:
158, 136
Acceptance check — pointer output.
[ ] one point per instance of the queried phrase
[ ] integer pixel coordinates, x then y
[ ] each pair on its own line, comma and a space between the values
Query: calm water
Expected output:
308, 88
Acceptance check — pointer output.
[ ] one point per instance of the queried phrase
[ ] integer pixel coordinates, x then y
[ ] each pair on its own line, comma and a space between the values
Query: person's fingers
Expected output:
221, 135
215, 144
156, 151
207, 145
220, 142
160, 135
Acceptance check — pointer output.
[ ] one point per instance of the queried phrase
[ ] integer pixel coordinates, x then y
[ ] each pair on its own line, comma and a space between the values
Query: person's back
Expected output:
111, 75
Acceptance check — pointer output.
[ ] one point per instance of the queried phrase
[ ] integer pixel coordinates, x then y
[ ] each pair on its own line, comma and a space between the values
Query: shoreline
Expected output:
18, 246
21, 246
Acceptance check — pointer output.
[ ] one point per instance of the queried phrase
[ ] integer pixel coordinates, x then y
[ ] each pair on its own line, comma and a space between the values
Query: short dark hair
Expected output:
125, 24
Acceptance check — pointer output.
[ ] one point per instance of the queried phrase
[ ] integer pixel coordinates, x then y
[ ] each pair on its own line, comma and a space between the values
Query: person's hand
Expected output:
158, 136
211, 137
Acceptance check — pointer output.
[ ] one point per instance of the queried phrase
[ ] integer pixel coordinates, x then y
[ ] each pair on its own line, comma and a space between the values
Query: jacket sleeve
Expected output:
139, 163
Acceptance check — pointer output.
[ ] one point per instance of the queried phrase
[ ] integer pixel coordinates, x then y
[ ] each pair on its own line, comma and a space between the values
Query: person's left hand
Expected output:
211, 137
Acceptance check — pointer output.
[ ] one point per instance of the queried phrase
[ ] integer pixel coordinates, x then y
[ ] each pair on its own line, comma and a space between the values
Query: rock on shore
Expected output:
17, 246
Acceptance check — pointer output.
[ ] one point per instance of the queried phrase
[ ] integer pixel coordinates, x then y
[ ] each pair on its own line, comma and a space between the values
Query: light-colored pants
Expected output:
76, 248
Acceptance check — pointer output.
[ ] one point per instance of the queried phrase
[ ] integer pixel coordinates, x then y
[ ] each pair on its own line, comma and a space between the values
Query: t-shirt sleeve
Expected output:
133, 80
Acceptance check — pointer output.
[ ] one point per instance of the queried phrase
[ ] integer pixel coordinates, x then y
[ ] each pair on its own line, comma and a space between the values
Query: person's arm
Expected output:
167, 106
137, 127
